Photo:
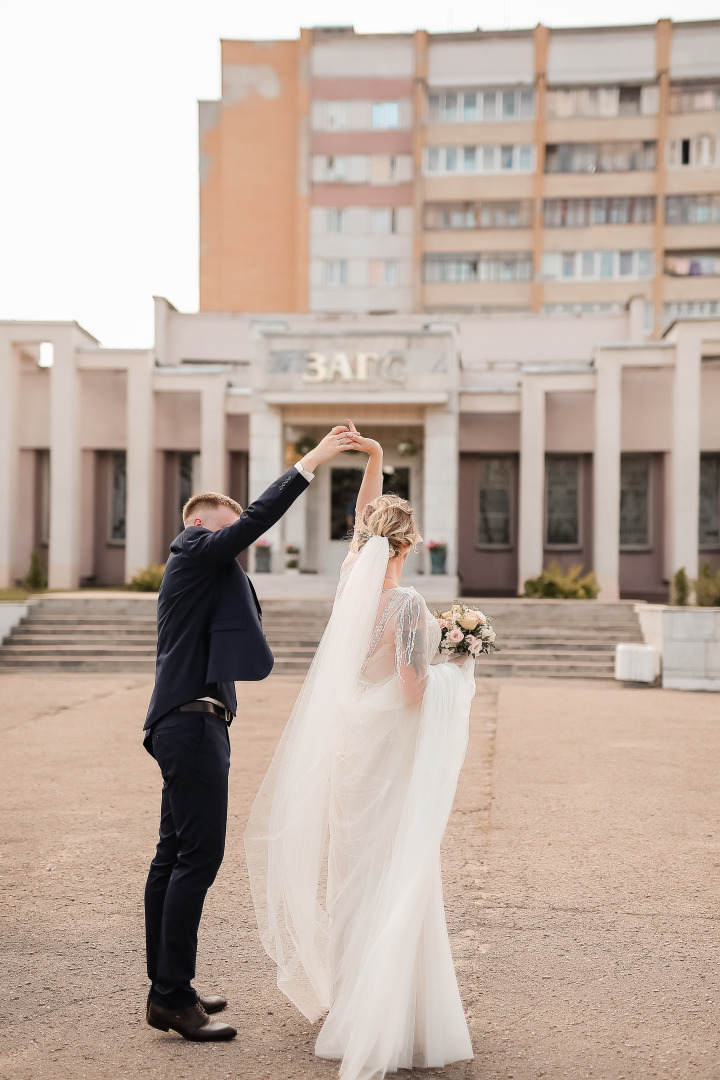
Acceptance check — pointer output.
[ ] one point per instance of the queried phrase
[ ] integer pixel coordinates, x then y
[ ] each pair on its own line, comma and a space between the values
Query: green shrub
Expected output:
707, 586
680, 594
147, 580
556, 583
35, 578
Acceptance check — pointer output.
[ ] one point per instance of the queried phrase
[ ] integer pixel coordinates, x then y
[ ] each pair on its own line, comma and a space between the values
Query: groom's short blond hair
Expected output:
210, 499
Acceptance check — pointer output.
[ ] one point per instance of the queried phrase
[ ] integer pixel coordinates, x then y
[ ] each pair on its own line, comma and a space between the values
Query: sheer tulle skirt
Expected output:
343, 839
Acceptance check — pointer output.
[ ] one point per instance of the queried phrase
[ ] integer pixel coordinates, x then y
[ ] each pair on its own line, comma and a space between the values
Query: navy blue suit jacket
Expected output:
209, 619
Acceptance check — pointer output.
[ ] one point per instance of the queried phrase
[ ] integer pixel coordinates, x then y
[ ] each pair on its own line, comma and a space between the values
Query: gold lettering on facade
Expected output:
340, 365
315, 368
392, 367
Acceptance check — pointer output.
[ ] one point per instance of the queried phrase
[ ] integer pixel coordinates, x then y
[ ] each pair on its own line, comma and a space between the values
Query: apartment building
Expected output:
554, 170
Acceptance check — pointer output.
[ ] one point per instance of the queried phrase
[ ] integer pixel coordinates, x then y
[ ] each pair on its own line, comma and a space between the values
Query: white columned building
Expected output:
519, 441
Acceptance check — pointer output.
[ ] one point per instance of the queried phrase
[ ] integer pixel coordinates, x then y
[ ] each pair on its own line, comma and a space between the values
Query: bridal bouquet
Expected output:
465, 630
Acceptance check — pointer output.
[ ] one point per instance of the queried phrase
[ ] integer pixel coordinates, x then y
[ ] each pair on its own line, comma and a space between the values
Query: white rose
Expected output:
491, 636
482, 619
486, 632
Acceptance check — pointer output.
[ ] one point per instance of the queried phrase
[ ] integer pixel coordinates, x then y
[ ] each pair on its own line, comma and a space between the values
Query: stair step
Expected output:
568, 639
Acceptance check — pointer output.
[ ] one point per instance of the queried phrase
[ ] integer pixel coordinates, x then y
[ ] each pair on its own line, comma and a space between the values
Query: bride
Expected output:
343, 840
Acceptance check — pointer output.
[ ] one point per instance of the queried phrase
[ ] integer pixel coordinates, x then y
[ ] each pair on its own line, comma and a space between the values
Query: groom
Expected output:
209, 635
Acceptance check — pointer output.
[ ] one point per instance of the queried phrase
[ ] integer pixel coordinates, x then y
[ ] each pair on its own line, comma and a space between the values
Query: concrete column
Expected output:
606, 476
532, 480
213, 451
65, 445
140, 465
265, 465
685, 459
440, 483
9, 457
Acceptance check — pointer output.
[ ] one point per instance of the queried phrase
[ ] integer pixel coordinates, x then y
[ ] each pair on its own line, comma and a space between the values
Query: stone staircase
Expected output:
548, 638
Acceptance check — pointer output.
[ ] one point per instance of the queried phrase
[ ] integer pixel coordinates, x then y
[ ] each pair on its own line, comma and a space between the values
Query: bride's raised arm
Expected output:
372, 481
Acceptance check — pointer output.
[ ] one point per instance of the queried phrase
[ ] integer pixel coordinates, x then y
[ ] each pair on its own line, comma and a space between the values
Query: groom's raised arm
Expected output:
224, 545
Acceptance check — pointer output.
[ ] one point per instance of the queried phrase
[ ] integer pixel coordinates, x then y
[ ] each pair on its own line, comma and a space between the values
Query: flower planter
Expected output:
263, 558
438, 560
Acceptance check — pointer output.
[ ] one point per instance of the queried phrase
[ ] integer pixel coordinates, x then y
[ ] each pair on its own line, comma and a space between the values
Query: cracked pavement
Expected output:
581, 869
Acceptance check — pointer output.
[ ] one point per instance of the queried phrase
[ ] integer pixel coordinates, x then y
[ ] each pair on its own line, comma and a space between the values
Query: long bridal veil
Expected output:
343, 840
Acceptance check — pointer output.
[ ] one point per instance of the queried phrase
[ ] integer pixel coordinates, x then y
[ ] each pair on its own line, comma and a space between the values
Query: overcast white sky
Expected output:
98, 134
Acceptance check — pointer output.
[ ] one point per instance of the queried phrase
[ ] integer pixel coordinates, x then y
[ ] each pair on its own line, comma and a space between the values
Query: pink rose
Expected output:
471, 639
442, 624
475, 650
455, 636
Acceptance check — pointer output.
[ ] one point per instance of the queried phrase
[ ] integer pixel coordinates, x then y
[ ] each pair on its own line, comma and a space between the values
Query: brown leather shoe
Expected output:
213, 1003
192, 1023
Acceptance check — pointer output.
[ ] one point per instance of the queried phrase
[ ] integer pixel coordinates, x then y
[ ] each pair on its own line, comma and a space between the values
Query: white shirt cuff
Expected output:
304, 472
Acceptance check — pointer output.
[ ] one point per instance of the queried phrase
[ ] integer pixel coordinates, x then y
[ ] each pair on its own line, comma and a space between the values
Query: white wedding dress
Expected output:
343, 840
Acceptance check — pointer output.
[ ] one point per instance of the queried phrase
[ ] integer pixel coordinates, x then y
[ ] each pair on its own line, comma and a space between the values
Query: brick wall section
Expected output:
249, 193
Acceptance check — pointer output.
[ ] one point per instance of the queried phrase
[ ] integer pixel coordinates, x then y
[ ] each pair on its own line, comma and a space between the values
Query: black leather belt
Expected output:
207, 706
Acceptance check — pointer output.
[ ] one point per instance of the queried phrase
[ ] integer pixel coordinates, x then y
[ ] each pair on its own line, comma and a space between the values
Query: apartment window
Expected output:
598, 265
692, 209
600, 157
603, 101
629, 101
690, 264
634, 501
336, 168
496, 482
525, 159
527, 104
455, 106
644, 264
386, 114
488, 266
117, 496
335, 221
482, 159
568, 265
337, 115
383, 220
470, 107
450, 110
562, 501
383, 272
690, 309
699, 97
516, 213
335, 272
709, 502
702, 151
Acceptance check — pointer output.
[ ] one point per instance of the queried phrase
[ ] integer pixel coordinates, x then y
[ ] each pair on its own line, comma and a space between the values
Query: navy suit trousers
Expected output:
193, 752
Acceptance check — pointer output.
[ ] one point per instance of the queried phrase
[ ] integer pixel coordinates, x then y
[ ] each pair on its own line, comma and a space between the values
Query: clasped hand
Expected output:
342, 437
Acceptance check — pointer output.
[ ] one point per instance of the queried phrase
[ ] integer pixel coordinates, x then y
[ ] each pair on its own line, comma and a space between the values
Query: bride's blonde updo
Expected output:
388, 516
